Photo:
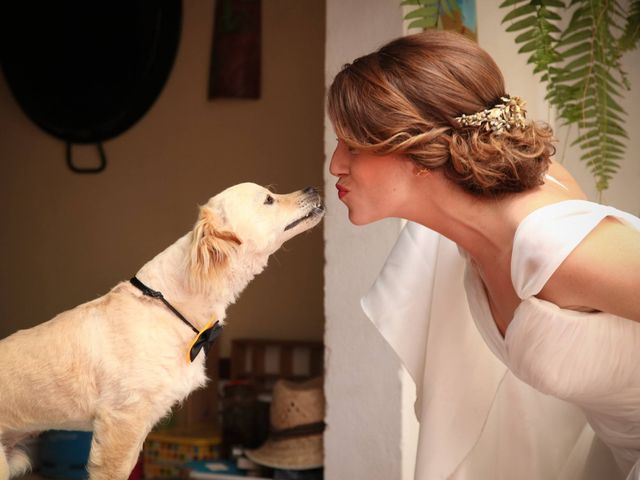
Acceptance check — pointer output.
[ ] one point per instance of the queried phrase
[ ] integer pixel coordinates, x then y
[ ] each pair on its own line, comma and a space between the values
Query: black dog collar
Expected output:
204, 338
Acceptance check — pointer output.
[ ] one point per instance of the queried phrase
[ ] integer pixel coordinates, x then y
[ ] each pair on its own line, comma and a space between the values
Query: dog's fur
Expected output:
117, 364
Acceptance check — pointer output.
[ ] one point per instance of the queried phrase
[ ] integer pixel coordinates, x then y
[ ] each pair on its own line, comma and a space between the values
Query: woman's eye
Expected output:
268, 200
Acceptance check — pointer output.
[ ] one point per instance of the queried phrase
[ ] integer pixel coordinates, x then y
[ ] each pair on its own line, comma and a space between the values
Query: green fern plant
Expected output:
540, 32
580, 65
428, 13
631, 35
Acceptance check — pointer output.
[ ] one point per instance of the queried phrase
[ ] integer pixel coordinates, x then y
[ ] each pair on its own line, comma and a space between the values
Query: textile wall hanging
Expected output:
236, 50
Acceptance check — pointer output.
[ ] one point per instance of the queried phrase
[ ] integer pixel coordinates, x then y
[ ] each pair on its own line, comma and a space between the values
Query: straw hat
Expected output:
297, 423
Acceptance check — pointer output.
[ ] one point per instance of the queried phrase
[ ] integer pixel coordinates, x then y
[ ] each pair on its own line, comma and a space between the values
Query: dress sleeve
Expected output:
546, 237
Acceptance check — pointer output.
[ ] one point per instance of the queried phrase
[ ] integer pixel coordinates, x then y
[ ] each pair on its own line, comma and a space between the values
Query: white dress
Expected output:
589, 359
477, 419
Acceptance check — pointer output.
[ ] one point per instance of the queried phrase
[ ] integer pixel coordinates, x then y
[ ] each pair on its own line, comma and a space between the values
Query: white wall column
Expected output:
364, 387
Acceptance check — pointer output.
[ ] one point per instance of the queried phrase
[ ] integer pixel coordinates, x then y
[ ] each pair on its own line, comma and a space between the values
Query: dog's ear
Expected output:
210, 249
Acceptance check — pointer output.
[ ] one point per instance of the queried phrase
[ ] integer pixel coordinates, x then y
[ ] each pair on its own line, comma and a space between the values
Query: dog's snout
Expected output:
311, 198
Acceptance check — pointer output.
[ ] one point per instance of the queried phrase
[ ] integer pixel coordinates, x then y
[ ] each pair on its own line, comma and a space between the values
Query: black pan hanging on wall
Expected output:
87, 70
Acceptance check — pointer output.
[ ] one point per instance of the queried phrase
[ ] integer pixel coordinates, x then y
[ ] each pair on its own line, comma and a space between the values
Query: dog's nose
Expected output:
310, 190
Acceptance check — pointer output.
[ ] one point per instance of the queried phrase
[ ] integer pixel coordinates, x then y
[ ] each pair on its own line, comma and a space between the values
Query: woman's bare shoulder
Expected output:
602, 273
560, 174
558, 185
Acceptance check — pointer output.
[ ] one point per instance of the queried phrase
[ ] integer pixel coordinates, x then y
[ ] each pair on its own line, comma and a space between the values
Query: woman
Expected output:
427, 132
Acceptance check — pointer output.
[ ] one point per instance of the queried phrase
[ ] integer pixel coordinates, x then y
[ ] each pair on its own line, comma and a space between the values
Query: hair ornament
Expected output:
503, 116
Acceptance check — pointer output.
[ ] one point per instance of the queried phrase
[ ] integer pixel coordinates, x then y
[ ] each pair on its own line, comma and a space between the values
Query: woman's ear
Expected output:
211, 248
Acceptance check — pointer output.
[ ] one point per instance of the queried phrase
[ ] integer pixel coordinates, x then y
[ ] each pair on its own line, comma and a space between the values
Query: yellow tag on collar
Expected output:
198, 342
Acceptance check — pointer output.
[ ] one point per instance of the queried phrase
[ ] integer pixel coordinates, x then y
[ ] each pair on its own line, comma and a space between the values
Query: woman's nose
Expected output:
338, 164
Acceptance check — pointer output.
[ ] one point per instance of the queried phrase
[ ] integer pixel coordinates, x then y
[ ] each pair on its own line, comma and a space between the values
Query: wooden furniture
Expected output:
264, 361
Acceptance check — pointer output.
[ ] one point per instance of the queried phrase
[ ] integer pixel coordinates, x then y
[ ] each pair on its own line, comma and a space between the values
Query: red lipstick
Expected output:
341, 191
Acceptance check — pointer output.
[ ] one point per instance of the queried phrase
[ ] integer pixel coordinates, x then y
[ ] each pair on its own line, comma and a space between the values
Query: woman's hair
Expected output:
404, 99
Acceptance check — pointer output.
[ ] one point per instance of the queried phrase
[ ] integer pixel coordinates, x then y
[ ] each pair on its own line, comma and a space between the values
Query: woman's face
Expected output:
372, 187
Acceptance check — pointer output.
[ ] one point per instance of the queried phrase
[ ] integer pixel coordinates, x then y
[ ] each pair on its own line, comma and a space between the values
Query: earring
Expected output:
423, 172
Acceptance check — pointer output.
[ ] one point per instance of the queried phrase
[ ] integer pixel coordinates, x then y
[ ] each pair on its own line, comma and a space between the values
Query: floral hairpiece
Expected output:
504, 116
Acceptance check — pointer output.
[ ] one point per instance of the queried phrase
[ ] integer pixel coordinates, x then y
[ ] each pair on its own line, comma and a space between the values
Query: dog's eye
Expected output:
268, 200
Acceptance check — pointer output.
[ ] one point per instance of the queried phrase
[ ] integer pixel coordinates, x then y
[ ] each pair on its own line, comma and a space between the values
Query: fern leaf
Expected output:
518, 12
510, 3
589, 51
423, 12
631, 36
524, 23
423, 23
428, 13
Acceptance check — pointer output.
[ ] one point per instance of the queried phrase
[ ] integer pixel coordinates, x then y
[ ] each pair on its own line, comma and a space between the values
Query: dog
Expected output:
116, 365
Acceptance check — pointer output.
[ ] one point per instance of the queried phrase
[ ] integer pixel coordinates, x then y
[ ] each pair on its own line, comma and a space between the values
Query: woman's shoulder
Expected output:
577, 254
560, 175
601, 273
558, 185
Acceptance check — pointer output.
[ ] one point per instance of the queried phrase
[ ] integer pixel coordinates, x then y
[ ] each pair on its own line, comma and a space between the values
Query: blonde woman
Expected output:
427, 132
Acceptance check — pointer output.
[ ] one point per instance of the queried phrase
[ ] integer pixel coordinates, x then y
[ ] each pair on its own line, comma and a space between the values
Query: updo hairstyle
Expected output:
404, 98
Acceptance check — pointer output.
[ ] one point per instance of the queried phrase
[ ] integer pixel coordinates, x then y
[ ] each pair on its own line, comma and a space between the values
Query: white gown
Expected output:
478, 420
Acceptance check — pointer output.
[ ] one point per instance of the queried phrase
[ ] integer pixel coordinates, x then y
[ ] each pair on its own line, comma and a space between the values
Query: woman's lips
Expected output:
341, 191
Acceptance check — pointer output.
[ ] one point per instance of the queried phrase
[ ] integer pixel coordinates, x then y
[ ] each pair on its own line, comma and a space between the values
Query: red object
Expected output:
137, 473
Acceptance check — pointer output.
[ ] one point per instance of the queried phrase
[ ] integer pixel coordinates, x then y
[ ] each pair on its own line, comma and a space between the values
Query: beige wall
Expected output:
67, 238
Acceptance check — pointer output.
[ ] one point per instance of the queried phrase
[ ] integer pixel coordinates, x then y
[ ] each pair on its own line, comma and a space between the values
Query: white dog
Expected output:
116, 365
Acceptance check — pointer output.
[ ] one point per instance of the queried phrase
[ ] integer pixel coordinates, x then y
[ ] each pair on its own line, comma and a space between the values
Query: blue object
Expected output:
64, 454
226, 467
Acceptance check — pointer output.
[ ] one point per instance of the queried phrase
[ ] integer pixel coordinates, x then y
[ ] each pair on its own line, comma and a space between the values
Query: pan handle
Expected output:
98, 169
